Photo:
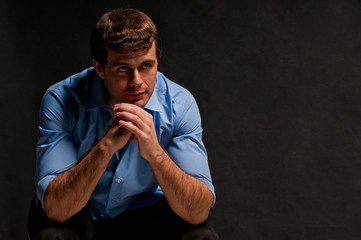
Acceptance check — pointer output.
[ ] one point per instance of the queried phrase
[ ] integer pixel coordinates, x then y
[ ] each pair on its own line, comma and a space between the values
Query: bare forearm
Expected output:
69, 192
188, 197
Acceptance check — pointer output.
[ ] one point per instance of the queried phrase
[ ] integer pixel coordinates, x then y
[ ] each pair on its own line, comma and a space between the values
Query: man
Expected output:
120, 154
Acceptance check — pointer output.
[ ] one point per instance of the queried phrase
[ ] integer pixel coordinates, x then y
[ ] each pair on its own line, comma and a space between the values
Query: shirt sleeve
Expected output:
56, 152
186, 147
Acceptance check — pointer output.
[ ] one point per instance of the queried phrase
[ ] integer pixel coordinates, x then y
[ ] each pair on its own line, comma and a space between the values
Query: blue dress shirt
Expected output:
74, 116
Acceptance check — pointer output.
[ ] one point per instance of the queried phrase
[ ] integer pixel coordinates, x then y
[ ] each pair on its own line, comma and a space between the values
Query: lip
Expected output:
136, 95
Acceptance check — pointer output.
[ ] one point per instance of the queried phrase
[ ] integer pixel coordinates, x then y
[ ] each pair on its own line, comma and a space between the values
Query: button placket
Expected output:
119, 180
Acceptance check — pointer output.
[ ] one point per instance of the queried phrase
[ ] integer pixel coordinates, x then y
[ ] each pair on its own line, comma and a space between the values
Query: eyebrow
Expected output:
127, 64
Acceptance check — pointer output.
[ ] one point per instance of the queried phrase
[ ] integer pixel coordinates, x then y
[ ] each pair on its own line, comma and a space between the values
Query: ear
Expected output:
98, 68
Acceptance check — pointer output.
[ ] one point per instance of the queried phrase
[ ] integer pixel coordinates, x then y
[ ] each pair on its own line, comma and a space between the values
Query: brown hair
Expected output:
123, 30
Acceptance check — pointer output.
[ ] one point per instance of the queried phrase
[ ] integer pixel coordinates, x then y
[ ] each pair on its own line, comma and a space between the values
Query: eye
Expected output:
146, 65
122, 68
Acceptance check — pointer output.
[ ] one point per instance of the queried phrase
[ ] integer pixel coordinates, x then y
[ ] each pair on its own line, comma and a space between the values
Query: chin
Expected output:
139, 103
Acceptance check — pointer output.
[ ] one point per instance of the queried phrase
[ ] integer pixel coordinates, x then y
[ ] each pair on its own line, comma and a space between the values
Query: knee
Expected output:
57, 233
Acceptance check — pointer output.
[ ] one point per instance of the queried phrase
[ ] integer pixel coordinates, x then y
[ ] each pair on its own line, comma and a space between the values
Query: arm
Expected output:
69, 192
188, 197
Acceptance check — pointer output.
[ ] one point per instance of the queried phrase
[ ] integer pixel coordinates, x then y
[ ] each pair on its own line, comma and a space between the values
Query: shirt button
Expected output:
119, 180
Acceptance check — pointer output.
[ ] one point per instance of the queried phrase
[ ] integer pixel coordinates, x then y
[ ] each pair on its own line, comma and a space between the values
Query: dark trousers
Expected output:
154, 222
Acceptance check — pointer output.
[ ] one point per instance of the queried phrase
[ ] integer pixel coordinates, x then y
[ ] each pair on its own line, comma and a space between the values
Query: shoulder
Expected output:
73, 85
183, 106
72, 91
62, 101
178, 95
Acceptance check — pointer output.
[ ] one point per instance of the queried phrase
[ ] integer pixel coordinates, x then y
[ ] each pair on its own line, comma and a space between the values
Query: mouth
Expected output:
136, 95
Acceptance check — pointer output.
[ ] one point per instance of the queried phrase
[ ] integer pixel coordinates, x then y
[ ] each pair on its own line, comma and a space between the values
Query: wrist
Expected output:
116, 138
106, 144
158, 155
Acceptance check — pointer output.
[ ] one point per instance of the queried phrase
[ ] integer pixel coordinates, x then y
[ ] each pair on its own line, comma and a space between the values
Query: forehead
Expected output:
131, 55
126, 54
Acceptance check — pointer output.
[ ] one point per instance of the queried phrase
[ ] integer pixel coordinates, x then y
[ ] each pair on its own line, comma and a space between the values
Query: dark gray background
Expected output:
278, 85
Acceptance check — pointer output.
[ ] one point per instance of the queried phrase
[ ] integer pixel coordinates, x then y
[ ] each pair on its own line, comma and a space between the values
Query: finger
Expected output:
127, 107
124, 106
131, 117
140, 117
131, 128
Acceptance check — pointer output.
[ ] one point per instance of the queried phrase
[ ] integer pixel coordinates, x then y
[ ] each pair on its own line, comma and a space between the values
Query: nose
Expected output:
136, 80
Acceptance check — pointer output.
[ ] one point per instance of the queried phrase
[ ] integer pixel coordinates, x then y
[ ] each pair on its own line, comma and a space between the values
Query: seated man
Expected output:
120, 152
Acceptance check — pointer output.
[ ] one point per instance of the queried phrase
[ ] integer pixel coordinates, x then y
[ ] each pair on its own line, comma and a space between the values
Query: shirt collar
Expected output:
155, 104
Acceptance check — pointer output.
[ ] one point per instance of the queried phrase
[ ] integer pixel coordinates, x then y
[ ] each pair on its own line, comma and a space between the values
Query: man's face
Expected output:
129, 77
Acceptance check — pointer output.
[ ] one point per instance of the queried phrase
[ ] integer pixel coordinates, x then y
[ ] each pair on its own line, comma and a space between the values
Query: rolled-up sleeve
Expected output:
56, 152
186, 147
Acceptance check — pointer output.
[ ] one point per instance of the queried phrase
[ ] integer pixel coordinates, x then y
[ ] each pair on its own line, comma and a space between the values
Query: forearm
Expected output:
69, 192
188, 197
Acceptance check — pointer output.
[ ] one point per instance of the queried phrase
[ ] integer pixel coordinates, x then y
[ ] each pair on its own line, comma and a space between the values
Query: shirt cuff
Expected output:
41, 187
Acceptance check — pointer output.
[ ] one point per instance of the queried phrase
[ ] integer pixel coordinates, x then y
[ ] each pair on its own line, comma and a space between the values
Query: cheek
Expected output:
115, 85
117, 80
119, 87
150, 79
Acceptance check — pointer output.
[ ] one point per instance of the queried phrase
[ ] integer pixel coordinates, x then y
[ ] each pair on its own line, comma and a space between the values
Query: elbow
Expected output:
196, 218
197, 215
54, 209
55, 216
57, 219
54, 213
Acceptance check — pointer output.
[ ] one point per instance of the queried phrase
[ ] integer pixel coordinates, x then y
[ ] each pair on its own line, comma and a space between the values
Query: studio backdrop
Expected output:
278, 85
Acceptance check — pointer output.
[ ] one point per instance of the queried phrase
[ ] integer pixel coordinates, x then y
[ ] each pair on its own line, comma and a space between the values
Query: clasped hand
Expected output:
136, 124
